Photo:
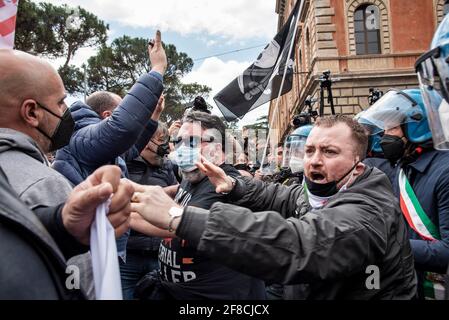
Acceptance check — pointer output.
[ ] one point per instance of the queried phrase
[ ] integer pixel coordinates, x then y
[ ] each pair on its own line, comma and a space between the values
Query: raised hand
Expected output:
159, 108
221, 181
158, 58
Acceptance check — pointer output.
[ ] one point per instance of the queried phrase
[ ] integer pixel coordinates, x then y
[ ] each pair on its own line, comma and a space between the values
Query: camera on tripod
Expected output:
325, 76
305, 117
199, 104
374, 95
301, 119
309, 105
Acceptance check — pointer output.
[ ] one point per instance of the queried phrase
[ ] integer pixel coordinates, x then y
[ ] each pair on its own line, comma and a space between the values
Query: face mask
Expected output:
186, 157
324, 190
194, 176
63, 132
296, 165
393, 147
242, 166
162, 149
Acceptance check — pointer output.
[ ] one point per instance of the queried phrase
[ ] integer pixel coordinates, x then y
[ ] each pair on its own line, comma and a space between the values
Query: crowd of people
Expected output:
345, 208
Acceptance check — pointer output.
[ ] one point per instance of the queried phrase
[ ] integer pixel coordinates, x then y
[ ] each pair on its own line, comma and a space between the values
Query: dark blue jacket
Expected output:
97, 142
429, 178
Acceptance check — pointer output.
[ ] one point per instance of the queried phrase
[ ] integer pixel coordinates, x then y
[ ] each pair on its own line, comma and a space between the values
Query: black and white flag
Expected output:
261, 82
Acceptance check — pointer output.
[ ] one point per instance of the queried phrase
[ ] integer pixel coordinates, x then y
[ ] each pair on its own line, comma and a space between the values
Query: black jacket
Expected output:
34, 247
327, 251
144, 173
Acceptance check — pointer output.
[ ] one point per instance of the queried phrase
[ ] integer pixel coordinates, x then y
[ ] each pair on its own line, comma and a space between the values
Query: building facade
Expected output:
364, 43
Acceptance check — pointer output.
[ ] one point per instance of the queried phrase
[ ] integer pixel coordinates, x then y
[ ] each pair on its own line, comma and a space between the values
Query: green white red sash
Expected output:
423, 226
414, 213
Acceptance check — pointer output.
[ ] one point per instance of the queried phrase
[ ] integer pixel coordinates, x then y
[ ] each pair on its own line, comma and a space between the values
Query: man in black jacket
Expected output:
184, 273
34, 246
338, 236
153, 169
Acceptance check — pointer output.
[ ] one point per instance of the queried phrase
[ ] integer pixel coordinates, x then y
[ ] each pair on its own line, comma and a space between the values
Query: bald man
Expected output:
34, 121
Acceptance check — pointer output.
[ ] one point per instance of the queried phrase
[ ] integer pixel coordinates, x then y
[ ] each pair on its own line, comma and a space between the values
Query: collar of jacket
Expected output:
15, 140
424, 161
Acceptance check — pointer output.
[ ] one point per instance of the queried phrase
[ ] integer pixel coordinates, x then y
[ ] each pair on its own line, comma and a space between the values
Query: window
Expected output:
446, 8
309, 55
367, 29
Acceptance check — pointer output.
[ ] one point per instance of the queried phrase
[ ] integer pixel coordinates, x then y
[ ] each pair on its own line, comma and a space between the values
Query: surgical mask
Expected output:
393, 147
194, 176
186, 158
63, 132
296, 165
325, 190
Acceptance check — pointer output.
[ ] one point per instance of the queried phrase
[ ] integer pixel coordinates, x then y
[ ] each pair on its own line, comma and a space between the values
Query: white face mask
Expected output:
193, 176
315, 201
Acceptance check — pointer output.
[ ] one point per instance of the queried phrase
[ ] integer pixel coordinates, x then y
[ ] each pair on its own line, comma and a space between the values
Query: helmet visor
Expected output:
390, 111
294, 153
433, 86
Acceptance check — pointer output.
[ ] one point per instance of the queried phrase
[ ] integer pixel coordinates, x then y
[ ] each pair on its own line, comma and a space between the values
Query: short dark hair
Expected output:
357, 131
208, 121
102, 101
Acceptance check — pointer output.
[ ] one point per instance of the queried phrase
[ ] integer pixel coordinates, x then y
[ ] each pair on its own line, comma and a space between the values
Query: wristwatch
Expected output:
233, 182
174, 213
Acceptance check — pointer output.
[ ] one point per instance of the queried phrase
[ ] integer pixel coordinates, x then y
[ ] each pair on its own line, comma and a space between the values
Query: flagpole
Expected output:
282, 83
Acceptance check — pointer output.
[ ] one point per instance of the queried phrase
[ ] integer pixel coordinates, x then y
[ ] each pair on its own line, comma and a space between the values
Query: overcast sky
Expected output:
198, 27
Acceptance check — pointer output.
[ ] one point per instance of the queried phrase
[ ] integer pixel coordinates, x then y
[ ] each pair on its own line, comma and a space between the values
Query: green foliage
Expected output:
57, 31
60, 31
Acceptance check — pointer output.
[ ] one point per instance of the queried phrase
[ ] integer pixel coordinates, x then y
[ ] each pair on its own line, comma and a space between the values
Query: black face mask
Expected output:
63, 132
325, 190
242, 166
162, 149
393, 147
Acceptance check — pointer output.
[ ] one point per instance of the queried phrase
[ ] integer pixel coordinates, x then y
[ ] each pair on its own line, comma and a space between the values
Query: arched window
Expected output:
367, 29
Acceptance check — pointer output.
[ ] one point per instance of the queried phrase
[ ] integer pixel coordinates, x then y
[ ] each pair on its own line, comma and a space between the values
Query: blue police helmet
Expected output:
417, 128
403, 108
303, 131
374, 133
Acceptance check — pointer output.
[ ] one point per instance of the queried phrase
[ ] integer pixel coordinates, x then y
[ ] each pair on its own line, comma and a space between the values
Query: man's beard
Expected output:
194, 176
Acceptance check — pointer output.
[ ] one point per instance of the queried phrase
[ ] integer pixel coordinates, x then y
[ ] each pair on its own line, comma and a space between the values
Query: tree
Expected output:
72, 78
57, 31
36, 30
60, 31
117, 67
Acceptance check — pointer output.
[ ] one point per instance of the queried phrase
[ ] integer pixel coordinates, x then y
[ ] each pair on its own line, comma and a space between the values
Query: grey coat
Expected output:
38, 186
29, 172
327, 251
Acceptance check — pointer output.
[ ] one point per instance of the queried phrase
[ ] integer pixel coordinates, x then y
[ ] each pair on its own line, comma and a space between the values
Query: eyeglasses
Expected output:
190, 141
